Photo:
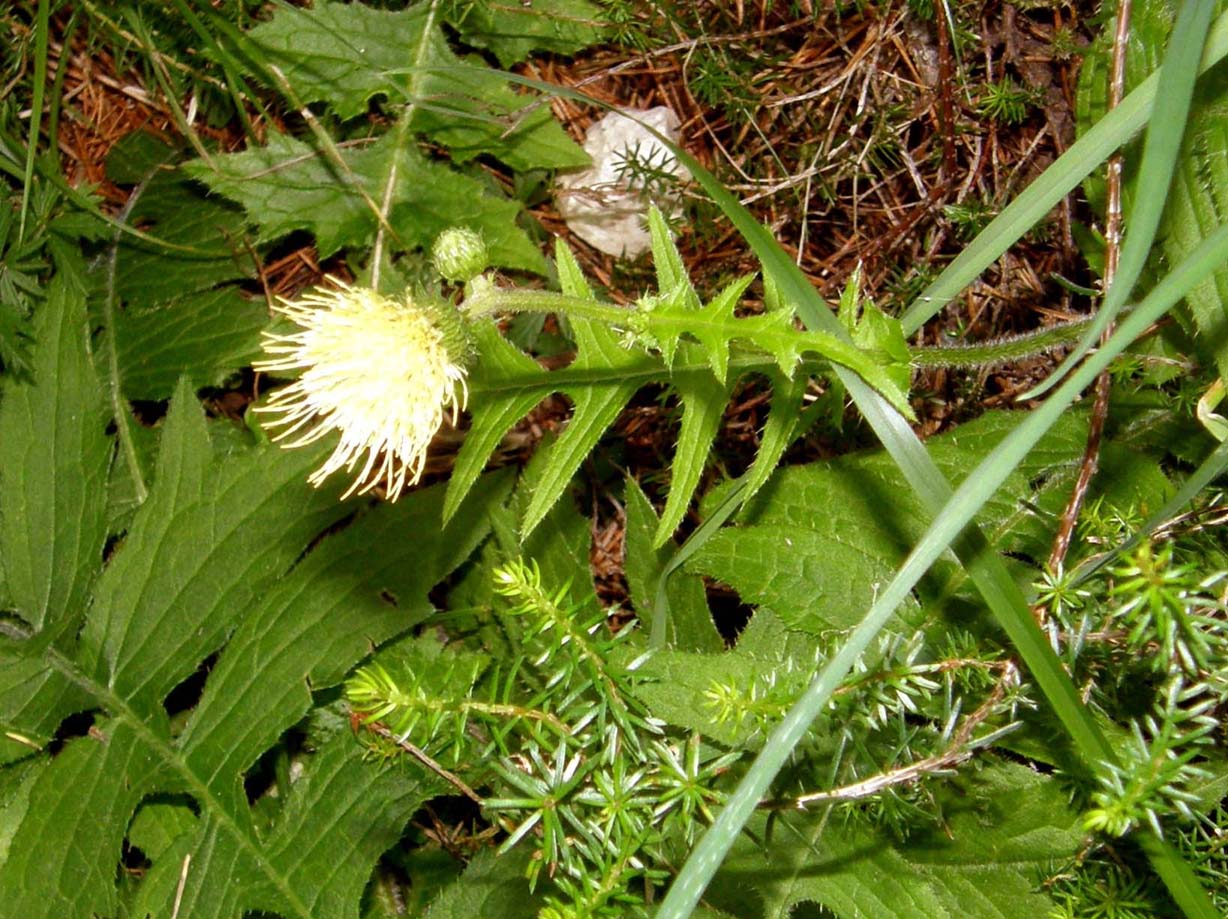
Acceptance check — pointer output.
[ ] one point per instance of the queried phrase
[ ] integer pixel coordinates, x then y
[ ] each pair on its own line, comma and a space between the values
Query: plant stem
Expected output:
491, 300
1112, 255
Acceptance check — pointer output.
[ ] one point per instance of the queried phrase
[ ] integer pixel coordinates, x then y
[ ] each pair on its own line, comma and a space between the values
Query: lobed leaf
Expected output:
288, 185
346, 54
511, 32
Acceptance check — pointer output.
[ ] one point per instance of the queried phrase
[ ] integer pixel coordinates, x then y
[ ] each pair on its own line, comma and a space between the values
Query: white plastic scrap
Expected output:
604, 205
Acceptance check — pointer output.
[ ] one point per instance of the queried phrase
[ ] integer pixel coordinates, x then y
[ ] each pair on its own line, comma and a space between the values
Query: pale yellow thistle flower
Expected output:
380, 371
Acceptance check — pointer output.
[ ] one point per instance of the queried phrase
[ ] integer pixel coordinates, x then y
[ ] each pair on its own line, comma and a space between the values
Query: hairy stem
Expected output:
490, 300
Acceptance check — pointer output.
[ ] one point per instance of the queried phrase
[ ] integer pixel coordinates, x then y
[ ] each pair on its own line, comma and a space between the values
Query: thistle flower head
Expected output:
382, 372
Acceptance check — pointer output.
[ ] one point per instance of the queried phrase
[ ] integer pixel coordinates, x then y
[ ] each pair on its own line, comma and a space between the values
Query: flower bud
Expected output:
460, 254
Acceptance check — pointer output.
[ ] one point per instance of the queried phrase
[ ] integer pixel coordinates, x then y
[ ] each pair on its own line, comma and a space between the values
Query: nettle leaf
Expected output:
178, 310
1003, 830
288, 185
512, 31
214, 566
345, 54
821, 571
677, 684
492, 887
54, 454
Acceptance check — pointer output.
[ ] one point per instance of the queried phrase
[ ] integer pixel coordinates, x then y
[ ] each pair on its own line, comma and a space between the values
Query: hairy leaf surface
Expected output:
214, 562
819, 540
1003, 829
345, 54
288, 185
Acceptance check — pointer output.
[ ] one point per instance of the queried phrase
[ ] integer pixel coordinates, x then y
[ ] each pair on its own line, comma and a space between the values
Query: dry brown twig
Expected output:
1112, 235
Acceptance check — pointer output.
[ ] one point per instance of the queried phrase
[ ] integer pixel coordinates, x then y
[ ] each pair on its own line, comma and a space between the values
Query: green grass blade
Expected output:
958, 513
1071, 168
36, 108
987, 571
1211, 469
1164, 135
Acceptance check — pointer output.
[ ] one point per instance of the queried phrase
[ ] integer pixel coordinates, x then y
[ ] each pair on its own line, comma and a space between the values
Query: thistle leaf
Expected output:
288, 185
346, 54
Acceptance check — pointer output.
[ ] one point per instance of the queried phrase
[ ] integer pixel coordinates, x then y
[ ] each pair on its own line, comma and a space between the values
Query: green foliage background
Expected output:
181, 616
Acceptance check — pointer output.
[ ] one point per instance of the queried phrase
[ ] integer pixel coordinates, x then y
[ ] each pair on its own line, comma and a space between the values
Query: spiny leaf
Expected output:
671, 272
596, 407
780, 429
511, 32
287, 185
690, 626
703, 407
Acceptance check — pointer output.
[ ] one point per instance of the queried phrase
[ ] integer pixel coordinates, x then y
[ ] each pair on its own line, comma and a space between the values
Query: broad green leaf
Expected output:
1003, 830
357, 589
158, 824
207, 556
819, 571
288, 185
201, 550
54, 454
199, 239
63, 855
170, 302
340, 817
205, 336
676, 683
345, 54
34, 698
492, 887
512, 31
16, 782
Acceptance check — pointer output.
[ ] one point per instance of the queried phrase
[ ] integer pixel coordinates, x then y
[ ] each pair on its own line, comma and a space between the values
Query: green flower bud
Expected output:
460, 254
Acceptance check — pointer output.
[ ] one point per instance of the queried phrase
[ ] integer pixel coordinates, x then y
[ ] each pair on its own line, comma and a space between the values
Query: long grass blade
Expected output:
1164, 135
958, 513
1215, 465
41, 25
1065, 173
